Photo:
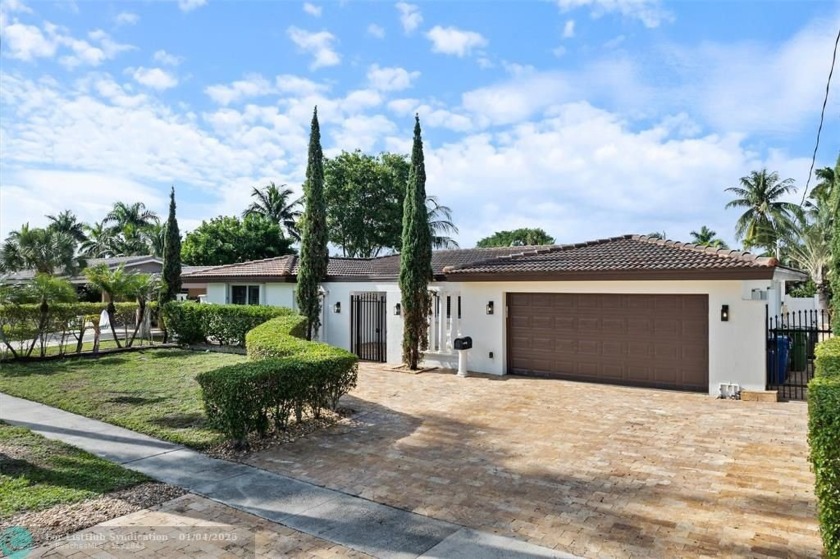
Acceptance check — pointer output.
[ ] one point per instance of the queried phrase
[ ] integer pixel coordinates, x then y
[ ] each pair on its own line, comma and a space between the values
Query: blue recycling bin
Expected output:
778, 359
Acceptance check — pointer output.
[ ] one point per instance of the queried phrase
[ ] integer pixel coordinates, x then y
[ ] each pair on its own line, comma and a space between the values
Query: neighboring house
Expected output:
145, 264
626, 310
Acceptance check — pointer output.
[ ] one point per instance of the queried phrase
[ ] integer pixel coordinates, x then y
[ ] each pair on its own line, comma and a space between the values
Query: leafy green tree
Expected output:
171, 276
67, 222
766, 218
517, 237
657, 235
415, 258
228, 240
364, 202
314, 255
365, 197
274, 203
708, 238
154, 237
46, 251
834, 205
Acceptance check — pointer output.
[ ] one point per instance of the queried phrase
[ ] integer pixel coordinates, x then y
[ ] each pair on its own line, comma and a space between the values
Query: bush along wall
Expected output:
25, 329
824, 439
284, 376
223, 324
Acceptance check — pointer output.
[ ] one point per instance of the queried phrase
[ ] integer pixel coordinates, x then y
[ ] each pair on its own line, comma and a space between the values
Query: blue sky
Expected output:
589, 118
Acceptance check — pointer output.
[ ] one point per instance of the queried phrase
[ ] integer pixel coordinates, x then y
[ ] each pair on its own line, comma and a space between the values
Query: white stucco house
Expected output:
626, 310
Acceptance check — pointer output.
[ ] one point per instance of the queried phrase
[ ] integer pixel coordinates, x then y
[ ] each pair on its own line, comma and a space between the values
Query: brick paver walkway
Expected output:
598, 471
191, 527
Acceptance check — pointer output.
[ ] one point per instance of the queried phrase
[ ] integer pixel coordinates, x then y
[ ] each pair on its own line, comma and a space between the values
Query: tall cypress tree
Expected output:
171, 258
313, 243
416, 258
835, 249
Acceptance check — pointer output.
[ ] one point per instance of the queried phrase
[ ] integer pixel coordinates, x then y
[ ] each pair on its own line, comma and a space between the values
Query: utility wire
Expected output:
822, 118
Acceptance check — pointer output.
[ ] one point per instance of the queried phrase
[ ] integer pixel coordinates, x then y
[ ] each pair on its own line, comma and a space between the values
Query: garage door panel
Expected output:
653, 340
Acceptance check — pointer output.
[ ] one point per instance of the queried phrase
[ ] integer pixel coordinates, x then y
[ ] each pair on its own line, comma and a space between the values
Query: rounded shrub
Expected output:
284, 375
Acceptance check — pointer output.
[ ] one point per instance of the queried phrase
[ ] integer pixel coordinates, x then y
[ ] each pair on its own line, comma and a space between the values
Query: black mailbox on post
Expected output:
463, 343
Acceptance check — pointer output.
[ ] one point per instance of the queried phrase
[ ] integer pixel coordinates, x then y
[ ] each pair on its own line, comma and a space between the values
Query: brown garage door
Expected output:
647, 340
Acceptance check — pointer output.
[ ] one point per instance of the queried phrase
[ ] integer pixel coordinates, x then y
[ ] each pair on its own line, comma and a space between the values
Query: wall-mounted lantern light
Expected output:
724, 313
490, 307
397, 309
337, 308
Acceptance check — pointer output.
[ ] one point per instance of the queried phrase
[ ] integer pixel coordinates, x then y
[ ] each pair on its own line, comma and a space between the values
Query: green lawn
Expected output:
153, 392
37, 473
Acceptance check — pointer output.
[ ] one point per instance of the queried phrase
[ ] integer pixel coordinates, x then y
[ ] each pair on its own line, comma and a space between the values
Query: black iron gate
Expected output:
791, 339
367, 319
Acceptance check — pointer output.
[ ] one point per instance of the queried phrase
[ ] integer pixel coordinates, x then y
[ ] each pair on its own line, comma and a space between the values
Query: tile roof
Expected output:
617, 254
269, 267
113, 262
627, 254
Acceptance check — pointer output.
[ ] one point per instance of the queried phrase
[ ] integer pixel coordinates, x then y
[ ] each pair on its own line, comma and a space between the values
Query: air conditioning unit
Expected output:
759, 295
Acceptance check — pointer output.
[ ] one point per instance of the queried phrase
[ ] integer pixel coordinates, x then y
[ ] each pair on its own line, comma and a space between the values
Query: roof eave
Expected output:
619, 275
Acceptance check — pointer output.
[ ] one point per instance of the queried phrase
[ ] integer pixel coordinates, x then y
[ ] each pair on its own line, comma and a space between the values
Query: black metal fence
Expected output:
367, 319
791, 339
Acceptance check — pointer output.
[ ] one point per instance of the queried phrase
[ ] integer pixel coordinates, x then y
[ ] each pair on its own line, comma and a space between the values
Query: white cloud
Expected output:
569, 29
410, 16
156, 78
376, 31
11, 6
318, 44
649, 12
166, 58
517, 99
296, 85
190, 5
312, 9
454, 41
390, 79
28, 42
126, 18
252, 86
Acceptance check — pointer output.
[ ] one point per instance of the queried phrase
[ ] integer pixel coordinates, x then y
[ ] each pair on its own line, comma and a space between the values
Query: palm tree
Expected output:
273, 202
99, 242
708, 238
766, 219
153, 238
134, 216
828, 181
114, 283
808, 246
441, 225
46, 251
67, 222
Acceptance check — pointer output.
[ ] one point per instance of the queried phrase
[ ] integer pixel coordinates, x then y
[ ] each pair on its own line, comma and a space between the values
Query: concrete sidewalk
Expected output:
353, 522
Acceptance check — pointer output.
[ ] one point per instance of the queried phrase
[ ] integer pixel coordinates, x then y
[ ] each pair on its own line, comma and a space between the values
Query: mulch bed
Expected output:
60, 520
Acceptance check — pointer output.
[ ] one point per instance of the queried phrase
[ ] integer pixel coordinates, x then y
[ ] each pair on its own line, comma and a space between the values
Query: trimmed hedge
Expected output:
284, 375
227, 324
824, 439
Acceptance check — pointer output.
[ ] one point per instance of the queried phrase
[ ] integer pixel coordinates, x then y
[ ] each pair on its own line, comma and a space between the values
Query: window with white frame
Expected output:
245, 294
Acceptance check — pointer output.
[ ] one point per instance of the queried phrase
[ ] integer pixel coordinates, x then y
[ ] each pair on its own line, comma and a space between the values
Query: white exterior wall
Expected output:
795, 304
217, 293
736, 348
280, 294
336, 330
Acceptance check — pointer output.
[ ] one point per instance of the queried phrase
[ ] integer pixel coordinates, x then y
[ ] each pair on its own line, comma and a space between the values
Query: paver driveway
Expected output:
598, 471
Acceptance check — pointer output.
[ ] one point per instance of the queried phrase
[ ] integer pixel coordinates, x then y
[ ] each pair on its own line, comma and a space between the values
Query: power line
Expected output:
822, 118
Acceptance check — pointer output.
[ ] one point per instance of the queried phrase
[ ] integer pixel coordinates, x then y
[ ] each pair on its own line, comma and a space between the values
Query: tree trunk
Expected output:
141, 312
111, 312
